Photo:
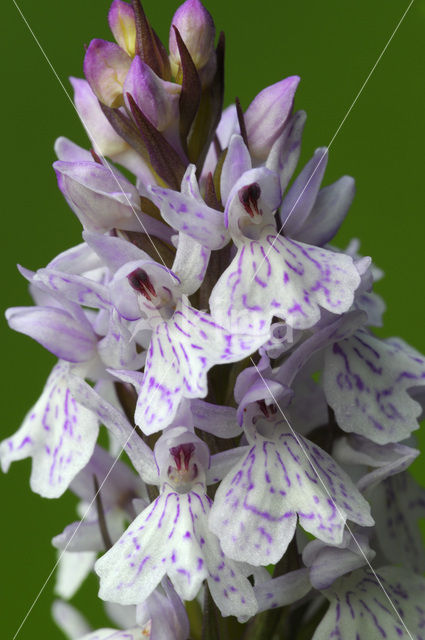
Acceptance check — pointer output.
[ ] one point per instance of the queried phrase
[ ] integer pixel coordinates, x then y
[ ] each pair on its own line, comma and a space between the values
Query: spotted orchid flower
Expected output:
185, 343
271, 274
172, 537
283, 479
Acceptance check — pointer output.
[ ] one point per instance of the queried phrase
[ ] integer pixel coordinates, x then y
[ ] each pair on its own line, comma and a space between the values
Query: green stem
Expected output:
210, 628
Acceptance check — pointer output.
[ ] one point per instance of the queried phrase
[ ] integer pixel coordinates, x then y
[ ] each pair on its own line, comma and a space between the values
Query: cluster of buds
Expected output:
227, 348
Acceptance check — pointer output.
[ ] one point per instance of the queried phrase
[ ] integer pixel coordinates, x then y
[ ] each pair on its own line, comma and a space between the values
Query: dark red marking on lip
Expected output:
267, 409
141, 283
249, 196
182, 454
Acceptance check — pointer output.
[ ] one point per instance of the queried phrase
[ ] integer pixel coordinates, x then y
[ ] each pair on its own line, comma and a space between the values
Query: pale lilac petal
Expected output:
103, 137
280, 277
398, 504
139, 453
186, 214
115, 252
360, 607
386, 460
237, 161
328, 212
72, 571
302, 195
69, 620
366, 381
117, 350
156, 98
267, 114
328, 563
190, 263
374, 306
216, 419
70, 152
167, 614
101, 198
222, 463
58, 434
83, 291
112, 634
85, 535
56, 330
119, 483
227, 126
76, 260
284, 590
285, 152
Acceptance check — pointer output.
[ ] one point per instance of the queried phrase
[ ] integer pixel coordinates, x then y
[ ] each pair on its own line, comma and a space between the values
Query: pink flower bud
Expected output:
267, 114
158, 99
123, 26
197, 30
106, 66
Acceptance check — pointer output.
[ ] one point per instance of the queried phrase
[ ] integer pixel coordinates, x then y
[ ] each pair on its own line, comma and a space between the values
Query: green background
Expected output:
332, 45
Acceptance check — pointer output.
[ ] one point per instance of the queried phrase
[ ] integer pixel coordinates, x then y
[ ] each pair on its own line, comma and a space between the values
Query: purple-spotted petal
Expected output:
58, 434
181, 352
276, 276
366, 381
79, 289
397, 506
186, 214
361, 607
256, 506
171, 537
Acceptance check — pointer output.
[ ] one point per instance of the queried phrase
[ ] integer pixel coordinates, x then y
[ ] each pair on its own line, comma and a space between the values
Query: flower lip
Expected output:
248, 197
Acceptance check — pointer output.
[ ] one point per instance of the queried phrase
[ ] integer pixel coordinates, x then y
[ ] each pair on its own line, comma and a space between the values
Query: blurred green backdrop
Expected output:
332, 45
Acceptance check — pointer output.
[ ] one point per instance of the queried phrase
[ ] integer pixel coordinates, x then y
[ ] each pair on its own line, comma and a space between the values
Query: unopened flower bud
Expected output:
158, 99
123, 26
106, 66
267, 115
197, 30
